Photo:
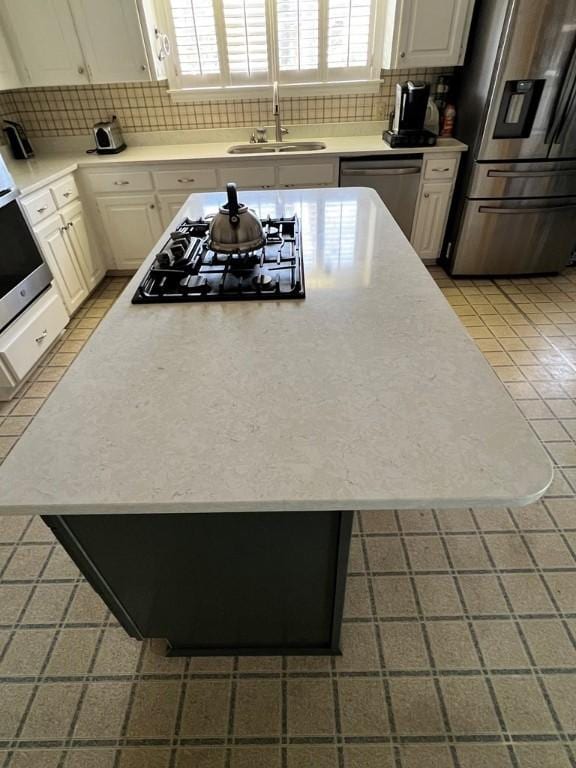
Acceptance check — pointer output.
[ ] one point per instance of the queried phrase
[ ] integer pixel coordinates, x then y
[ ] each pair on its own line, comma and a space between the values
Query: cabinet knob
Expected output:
42, 336
64, 228
426, 194
81, 70
143, 67
402, 55
152, 206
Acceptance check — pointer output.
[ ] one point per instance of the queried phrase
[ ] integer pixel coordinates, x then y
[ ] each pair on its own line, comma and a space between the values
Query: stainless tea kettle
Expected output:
235, 228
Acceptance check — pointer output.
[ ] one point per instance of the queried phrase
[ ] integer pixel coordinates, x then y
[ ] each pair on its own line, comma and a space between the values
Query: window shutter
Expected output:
348, 43
246, 39
242, 42
297, 34
195, 35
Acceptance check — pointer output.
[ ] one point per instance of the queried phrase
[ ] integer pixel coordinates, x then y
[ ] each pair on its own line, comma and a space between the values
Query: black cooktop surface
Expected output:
187, 270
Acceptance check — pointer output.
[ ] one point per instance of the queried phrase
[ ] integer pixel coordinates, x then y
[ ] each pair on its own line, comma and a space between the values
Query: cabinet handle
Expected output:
66, 194
121, 183
42, 336
41, 210
441, 170
186, 181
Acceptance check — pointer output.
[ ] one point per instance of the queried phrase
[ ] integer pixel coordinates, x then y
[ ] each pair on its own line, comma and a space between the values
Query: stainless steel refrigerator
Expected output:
515, 204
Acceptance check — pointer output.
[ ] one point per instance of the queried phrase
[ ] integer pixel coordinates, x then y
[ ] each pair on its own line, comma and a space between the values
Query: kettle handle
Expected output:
232, 203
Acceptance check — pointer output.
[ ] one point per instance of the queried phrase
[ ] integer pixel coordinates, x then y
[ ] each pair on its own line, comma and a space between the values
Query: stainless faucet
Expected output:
280, 131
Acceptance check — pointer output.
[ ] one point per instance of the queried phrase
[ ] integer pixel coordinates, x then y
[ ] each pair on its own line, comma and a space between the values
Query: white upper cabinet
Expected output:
111, 38
8, 75
47, 46
426, 33
76, 42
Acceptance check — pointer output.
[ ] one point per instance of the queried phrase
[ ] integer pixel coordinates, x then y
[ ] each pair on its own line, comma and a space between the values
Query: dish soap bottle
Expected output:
448, 122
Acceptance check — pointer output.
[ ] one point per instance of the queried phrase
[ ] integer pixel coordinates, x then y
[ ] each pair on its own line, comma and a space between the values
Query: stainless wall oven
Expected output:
23, 272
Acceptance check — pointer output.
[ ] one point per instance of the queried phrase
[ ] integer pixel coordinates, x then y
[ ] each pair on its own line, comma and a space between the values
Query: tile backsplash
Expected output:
72, 110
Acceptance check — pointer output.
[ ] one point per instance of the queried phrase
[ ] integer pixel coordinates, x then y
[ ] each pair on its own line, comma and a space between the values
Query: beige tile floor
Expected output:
460, 626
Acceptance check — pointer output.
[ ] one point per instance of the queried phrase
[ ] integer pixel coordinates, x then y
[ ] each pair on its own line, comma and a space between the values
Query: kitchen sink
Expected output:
271, 147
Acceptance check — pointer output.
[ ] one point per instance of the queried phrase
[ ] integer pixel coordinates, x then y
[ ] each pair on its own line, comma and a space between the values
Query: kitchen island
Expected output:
201, 462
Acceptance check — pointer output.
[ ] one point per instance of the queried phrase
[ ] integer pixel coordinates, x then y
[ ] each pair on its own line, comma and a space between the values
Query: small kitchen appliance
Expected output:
235, 228
19, 142
409, 116
108, 137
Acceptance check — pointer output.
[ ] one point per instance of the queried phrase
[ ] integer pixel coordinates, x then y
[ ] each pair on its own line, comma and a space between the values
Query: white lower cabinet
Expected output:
132, 225
28, 338
309, 175
63, 261
170, 204
430, 221
75, 233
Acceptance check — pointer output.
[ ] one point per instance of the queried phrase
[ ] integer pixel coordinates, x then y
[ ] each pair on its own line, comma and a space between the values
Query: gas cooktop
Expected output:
186, 269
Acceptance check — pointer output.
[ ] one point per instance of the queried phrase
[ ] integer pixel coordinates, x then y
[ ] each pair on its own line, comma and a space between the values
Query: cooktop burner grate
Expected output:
186, 269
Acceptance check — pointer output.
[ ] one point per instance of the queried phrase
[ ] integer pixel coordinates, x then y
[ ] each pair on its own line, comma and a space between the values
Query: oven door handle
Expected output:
380, 171
539, 209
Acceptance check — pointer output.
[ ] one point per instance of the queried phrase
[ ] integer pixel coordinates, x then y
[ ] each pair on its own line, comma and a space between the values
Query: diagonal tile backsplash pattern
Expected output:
459, 634
72, 110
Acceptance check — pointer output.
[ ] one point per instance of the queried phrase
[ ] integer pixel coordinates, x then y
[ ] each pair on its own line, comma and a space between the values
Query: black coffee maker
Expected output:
409, 116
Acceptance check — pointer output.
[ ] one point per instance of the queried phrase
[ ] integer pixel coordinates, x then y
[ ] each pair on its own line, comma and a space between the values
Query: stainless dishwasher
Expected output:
396, 179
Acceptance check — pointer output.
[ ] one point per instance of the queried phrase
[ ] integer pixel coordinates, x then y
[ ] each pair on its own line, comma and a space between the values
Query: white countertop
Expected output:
30, 175
367, 394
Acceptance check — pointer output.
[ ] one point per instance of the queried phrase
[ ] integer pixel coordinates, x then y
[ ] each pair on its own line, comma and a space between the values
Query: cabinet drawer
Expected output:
438, 168
64, 191
309, 175
120, 181
248, 177
188, 178
39, 206
26, 341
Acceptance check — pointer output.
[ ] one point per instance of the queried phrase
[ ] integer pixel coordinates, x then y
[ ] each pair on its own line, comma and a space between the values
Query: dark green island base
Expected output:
240, 583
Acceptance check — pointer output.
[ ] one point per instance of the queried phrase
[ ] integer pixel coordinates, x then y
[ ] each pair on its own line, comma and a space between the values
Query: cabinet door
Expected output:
111, 37
432, 33
62, 262
48, 46
8, 74
170, 204
76, 236
430, 220
132, 225
308, 175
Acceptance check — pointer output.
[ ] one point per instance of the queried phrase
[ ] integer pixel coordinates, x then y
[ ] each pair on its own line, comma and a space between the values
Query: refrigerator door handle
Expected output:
569, 113
563, 102
538, 209
531, 174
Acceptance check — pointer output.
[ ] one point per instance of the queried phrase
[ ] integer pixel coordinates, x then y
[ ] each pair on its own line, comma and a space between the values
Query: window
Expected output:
226, 44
